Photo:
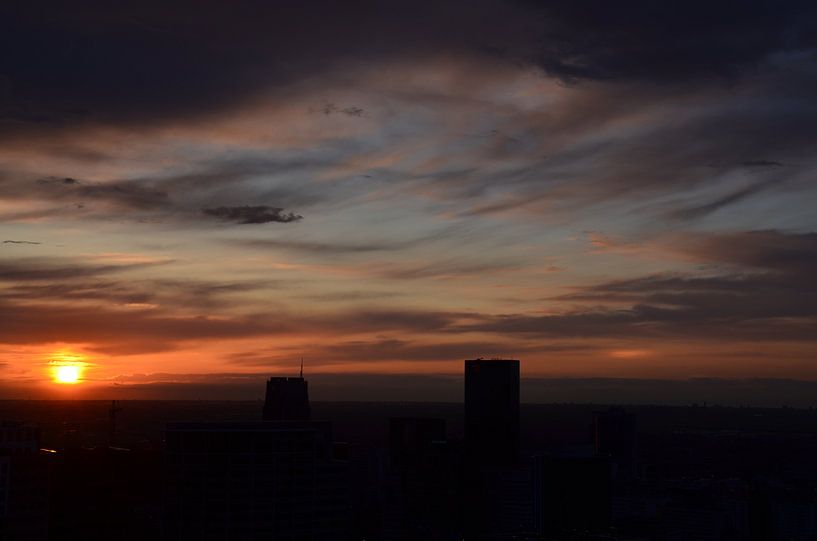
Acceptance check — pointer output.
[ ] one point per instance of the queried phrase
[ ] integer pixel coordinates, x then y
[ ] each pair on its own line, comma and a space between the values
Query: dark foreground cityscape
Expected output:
405, 471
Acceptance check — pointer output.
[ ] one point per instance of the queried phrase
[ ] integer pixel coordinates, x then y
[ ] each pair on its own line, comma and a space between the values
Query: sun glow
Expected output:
66, 368
67, 374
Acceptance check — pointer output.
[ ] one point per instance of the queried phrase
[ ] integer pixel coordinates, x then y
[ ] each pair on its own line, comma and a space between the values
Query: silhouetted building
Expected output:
287, 399
572, 493
421, 497
101, 493
24, 481
615, 435
507, 507
782, 512
257, 480
411, 437
494, 488
492, 411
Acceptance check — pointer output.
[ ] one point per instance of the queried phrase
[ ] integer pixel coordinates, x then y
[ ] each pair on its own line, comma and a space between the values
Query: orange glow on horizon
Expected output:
629, 353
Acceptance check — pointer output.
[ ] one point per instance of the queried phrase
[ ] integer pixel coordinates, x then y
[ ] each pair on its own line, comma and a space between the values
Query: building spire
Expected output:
302, 367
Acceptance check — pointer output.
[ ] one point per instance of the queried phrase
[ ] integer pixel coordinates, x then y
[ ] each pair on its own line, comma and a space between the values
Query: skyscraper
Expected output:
615, 435
421, 496
287, 399
492, 411
497, 489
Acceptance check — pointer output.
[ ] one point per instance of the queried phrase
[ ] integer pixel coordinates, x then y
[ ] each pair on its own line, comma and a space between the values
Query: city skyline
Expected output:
193, 198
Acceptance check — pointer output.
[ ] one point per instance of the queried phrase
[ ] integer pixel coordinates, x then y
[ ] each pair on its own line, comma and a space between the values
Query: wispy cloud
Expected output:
696, 212
50, 269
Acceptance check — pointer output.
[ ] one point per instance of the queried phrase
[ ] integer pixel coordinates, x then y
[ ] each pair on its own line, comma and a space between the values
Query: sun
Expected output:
68, 373
67, 367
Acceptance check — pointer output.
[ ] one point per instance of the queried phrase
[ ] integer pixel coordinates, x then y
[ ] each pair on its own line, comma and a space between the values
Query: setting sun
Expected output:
67, 366
67, 374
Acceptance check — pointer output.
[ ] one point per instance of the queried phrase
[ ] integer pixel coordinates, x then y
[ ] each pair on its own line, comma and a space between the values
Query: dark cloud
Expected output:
252, 215
196, 60
133, 293
762, 163
757, 286
393, 349
344, 247
772, 250
341, 247
62, 299
121, 332
770, 296
142, 61
143, 316
689, 318
650, 167
47, 269
345, 296
320, 247
595, 39
53, 180
700, 211
174, 196
120, 194
443, 269
331, 108
376, 320
224, 179
78, 289
20, 242
129, 195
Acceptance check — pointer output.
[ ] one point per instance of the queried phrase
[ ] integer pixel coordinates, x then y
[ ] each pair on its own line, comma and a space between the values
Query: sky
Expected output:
196, 195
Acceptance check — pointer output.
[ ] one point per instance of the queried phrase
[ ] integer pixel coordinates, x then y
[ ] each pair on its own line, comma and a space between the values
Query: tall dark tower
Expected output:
287, 399
492, 411
615, 435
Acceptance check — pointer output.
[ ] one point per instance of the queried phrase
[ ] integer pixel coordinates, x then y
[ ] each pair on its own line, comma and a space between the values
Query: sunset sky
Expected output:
205, 193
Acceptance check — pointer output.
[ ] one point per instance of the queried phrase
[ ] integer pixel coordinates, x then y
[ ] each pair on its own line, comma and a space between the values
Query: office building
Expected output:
252, 481
287, 399
492, 411
421, 498
614, 435
491, 476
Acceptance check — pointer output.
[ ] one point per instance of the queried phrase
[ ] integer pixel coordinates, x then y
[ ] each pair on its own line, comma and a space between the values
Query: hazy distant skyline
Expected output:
603, 190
